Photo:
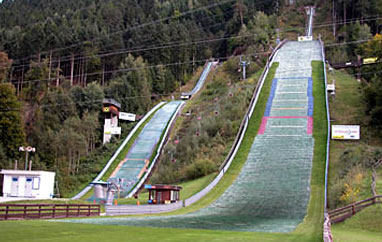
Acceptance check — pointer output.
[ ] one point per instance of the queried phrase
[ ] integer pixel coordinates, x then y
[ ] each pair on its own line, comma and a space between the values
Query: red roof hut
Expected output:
163, 194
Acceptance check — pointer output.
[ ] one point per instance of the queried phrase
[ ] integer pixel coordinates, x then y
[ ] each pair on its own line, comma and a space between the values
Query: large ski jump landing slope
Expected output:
272, 191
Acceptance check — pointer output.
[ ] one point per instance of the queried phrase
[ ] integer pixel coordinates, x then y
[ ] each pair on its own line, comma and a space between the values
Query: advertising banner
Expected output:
127, 116
370, 60
112, 130
345, 132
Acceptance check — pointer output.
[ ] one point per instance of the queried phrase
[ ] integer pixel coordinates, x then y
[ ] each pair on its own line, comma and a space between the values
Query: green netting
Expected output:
286, 126
271, 192
140, 153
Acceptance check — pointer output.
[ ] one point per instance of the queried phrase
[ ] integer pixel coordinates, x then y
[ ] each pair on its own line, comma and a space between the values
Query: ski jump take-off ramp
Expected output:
272, 191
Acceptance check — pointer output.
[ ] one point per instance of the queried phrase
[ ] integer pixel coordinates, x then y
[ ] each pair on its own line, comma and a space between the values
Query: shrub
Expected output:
200, 168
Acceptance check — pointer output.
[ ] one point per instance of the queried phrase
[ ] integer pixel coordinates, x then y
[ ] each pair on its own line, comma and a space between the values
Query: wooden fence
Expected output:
46, 211
340, 214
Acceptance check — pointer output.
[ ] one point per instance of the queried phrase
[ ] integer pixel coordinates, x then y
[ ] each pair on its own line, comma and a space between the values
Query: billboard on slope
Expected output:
346, 132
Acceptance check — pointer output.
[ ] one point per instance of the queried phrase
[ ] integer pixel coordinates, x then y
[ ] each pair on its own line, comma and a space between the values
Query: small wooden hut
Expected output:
163, 194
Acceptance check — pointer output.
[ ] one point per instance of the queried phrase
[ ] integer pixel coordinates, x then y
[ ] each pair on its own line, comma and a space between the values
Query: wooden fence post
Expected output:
353, 209
6, 212
54, 210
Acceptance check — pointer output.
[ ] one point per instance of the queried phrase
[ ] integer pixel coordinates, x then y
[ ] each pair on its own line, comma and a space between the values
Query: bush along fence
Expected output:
46, 211
340, 214
147, 209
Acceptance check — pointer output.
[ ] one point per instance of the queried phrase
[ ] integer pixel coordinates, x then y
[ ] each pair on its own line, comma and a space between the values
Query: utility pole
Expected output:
244, 64
334, 19
240, 11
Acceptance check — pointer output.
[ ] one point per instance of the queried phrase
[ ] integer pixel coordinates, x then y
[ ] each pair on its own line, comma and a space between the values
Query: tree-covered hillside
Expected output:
63, 57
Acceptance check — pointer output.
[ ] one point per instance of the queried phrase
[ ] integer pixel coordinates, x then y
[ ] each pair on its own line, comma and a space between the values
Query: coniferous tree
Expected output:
12, 134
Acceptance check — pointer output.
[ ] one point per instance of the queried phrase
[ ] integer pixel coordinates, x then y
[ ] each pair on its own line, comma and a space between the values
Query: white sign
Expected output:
305, 38
346, 132
331, 88
127, 116
112, 130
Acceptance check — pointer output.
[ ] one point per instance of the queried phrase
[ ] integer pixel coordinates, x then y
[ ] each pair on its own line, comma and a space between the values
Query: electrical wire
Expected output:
154, 22
120, 51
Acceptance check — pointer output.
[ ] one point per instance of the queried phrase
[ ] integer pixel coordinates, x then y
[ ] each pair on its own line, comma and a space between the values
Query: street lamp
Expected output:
27, 149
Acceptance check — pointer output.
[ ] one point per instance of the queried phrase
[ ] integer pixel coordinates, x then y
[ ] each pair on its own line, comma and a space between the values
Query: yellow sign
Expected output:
338, 137
105, 109
370, 60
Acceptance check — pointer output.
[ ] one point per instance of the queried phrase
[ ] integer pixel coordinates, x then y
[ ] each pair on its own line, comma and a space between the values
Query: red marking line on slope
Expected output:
309, 129
265, 120
263, 125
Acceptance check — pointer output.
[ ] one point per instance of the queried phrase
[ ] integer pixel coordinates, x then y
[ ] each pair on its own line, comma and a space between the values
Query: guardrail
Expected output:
248, 115
127, 139
226, 164
242, 129
309, 30
327, 236
199, 84
164, 139
46, 211
340, 214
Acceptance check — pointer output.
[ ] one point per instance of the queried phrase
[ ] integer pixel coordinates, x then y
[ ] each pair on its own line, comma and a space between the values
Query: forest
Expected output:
61, 59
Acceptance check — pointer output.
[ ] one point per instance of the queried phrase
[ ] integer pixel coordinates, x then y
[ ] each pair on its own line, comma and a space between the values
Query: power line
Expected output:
188, 62
105, 53
176, 93
126, 50
154, 22
132, 28
100, 100
158, 65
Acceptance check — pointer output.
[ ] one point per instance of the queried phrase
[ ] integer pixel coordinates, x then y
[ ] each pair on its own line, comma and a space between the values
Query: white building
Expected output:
110, 108
28, 184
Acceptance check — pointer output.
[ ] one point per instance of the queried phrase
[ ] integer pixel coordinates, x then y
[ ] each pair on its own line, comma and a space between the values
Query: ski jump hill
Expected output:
133, 170
272, 191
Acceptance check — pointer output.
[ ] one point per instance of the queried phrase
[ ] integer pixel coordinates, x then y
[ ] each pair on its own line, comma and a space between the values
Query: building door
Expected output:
15, 187
1, 184
28, 187
159, 197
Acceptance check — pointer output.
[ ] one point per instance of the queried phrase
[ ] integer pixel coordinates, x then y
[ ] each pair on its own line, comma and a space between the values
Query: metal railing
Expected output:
106, 167
327, 232
158, 152
226, 164
309, 30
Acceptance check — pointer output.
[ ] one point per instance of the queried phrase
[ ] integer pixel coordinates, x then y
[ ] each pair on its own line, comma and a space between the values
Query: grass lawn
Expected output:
348, 108
345, 108
364, 226
309, 230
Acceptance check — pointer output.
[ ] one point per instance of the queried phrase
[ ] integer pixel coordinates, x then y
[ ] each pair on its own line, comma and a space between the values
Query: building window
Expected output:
36, 183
